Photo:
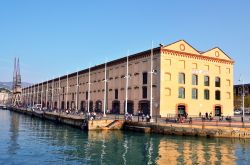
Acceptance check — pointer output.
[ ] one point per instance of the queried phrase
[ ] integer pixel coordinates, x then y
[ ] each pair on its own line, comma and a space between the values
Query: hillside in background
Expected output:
8, 85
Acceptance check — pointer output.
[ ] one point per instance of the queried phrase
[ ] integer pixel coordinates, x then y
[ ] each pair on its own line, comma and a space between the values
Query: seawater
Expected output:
29, 140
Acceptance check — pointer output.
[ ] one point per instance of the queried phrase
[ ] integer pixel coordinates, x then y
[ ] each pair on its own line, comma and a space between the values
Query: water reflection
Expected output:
14, 130
196, 151
33, 140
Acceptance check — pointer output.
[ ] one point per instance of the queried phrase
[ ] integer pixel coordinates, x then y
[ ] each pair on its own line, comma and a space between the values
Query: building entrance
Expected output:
62, 105
182, 110
98, 106
144, 107
130, 107
217, 111
116, 107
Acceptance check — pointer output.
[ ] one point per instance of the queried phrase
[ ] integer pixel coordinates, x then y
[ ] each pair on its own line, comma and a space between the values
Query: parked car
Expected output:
37, 107
237, 112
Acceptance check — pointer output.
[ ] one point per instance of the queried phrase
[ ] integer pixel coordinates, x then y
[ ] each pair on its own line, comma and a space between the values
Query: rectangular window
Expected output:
206, 80
145, 78
181, 64
167, 76
217, 82
206, 67
217, 95
181, 93
87, 95
228, 95
194, 93
168, 91
168, 62
116, 93
206, 94
228, 82
194, 65
217, 69
144, 92
194, 79
181, 78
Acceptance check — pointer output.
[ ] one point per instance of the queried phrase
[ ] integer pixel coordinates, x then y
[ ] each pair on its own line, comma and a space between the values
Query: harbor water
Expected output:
29, 140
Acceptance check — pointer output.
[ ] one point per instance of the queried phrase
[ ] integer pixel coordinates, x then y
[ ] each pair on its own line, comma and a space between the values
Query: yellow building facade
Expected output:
184, 80
195, 82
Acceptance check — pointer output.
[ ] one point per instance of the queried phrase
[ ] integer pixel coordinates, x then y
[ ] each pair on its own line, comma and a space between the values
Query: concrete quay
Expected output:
112, 122
189, 130
78, 121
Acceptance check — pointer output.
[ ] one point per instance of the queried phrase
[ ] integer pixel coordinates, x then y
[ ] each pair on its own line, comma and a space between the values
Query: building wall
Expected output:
116, 81
175, 62
168, 62
4, 97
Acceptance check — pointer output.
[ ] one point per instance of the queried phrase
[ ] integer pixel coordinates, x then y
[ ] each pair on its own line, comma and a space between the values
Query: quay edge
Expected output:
145, 127
189, 130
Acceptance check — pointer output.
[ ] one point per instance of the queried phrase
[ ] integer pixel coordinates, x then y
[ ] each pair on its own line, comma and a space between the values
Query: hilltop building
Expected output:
238, 93
184, 80
5, 95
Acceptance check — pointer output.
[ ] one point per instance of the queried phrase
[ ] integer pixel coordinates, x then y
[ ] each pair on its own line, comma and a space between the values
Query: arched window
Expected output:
217, 82
217, 95
194, 79
167, 76
181, 93
194, 93
168, 91
228, 95
182, 78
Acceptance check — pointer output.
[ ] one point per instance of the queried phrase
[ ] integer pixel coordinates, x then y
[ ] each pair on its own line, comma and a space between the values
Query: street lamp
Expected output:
243, 99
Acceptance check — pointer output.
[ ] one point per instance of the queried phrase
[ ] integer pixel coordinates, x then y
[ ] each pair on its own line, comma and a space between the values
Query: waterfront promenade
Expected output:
233, 128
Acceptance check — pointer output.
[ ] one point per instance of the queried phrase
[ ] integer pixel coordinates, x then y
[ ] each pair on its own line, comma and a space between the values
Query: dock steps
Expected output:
138, 129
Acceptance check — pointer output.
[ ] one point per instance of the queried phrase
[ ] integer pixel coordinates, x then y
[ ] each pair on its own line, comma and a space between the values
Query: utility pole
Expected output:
105, 88
37, 93
47, 90
42, 96
151, 82
89, 91
52, 94
77, 90
59, 93
243, 98
126, 96
67, 90
29, 96
33, 95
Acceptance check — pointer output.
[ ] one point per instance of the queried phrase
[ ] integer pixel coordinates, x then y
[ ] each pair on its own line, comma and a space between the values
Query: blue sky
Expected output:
53, 37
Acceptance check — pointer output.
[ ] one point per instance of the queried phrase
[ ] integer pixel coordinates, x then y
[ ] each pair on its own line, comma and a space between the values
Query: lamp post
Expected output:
46, 97
52, 94
89, 90
152, 71
77, 90
37, 93
243, 99
59, 93
105, 88
241, 80
126, 96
